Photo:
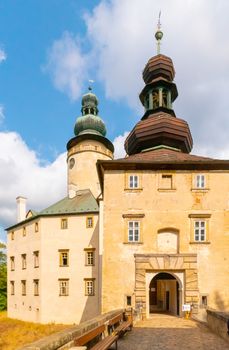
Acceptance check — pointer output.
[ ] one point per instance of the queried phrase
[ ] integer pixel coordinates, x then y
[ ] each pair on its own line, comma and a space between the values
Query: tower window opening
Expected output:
164, 98
156, 99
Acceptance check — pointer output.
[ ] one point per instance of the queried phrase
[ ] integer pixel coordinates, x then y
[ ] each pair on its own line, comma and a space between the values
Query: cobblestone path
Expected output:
163, 332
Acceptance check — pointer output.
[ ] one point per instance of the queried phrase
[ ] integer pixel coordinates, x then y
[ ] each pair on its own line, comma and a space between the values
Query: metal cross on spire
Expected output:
159, 34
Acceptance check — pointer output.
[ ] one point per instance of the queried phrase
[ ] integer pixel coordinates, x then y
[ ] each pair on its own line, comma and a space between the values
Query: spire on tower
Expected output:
159, 34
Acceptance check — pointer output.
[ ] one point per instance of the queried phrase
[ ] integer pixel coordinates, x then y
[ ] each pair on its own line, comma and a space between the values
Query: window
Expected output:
133, 181
167, 181
24, 231
204, 301
23, 287
128, 300
12, 263
200, 231
89, 286
89, 221
200, 181
90, 258
36, 227
63, 287
36, 287
23, 261
133, 231
36, 258
64, 257
12, 290
64, 224
12, 235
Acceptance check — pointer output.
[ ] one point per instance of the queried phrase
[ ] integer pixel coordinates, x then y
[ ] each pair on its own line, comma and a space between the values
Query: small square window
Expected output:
23, 261
12, 287
90, 287
36, 227
12, 263
63, 287
64, 257
36, 287
200, 231
133, 231
64, 224
24, 231
200, 181
36, 258
133, 181
89, 221
23, 287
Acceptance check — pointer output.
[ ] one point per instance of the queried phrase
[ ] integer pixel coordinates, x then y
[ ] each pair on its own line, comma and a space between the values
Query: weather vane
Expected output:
90, 84
159, 34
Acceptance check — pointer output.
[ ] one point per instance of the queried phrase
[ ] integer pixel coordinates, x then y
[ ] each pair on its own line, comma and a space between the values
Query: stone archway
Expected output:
182, 266
164, 293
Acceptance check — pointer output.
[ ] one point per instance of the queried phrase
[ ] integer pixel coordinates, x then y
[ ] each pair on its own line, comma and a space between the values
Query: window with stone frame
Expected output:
36, 287
64, 257
12, 287
89, 286
12, 263
133, 181
23, 287
133, 231
64, 287
200, 181
89, 222
64, 224
36, 258
200, 230
23, 261
89, 256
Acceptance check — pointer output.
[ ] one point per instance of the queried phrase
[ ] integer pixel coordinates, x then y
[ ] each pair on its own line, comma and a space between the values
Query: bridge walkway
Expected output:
164, 332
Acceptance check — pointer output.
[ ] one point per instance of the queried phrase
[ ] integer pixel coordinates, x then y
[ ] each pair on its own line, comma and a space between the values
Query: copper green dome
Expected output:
90, 122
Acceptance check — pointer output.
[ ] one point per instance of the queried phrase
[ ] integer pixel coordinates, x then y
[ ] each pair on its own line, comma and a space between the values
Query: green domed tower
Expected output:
88, 145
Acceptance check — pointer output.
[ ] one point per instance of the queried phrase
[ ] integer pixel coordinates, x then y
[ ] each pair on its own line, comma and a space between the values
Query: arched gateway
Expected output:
164, 294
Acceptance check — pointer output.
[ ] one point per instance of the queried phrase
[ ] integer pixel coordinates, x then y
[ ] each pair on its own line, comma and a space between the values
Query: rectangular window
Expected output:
23, 287
167, 181
36, 287
36, 227
12, 290
36, 258
64, 224
200, 231
63, 287
23, 261
24, 231
12, 263
204, 301
12, 235
128, 300
89, 286
133, 181
133, 231
89, 221
200, 181
90, 260
64, 257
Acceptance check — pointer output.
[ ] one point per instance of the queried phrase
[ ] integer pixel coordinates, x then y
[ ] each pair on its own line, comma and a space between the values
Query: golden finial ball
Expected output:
158, 34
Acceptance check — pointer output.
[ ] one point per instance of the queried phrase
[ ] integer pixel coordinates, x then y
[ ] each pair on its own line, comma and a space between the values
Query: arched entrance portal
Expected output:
164, 294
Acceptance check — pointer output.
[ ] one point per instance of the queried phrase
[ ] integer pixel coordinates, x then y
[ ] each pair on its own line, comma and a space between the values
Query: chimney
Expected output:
72, 189
21, 208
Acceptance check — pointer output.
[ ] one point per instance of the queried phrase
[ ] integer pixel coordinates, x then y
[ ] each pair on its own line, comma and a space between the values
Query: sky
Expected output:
49, 49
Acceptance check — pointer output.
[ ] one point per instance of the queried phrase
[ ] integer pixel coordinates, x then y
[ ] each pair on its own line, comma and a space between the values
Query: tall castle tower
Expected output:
88, 145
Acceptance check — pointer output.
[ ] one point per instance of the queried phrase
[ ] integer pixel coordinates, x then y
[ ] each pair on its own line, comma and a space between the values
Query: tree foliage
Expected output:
3, 277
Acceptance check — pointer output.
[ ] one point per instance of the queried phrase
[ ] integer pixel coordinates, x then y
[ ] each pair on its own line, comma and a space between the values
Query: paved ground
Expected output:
163, 332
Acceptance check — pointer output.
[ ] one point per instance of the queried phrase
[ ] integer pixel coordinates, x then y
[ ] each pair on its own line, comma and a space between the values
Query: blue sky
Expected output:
50, 48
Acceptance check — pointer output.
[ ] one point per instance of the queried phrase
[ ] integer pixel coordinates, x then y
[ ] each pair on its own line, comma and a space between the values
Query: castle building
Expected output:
150, 231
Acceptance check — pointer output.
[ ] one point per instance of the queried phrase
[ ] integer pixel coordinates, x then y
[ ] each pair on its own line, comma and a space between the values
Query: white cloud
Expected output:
119, 145
121, 40
2, 116
3, 55
22, 174
67, 65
